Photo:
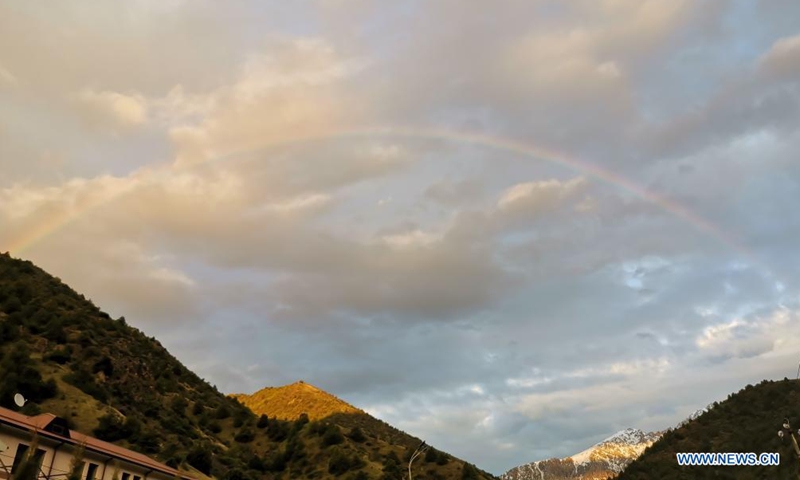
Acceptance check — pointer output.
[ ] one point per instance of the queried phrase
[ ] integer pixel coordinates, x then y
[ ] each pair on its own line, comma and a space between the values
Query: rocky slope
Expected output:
602, 461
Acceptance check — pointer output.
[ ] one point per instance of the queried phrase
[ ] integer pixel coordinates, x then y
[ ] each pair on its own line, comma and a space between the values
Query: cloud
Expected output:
782, 60
454, 194
538, 195
287, 94
177, 164
124, 110
7, 77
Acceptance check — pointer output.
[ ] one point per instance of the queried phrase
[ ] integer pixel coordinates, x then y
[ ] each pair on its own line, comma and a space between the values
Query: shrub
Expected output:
332, 436
222, 412
245, 435
200, 458
340, 462
263, 421
357, 435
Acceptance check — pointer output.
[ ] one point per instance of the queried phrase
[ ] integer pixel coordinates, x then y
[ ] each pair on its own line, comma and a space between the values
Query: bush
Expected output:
235, 474
61, 355
222, 412
178, 405
245, 435
431, 455
85, 382
468, 472
301, 422
200, 458
341, 462
109, 428
357, 435
332, 436
19, 375
214, 427
263, 421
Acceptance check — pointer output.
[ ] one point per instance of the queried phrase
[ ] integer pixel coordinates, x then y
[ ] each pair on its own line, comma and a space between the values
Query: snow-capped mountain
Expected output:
602, 461
695, 415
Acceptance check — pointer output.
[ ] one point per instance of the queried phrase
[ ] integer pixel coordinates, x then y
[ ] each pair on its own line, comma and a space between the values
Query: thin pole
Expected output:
422, 448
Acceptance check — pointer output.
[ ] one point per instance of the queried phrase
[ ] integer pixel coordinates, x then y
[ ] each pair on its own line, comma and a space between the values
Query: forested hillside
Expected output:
111, 380
747, 421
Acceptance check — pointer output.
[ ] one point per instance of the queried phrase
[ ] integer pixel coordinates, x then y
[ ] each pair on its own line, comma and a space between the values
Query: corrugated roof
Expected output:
38, 423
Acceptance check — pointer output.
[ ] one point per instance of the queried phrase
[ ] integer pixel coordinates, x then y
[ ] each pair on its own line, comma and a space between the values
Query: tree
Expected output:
357, 435
332, 436
263, 421
178, 405
235, 474
198, 408
391, 467
77, 463
109, 428
245, 435
222, 412
301, 421
28, 468
21, 376
200, 458
340, 462
115, 475
468, 472
432, 455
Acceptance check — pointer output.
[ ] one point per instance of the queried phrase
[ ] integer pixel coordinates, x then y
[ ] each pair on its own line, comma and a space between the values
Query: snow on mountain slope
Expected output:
602, 461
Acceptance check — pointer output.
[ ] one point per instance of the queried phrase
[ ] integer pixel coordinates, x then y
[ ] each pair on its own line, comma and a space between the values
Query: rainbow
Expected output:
58, 221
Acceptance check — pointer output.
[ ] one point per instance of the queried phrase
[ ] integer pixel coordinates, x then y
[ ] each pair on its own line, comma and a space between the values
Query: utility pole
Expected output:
419, 451
786, 431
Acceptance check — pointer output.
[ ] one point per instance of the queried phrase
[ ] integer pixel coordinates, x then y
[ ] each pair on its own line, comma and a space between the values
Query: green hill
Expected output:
748, 421
112, 381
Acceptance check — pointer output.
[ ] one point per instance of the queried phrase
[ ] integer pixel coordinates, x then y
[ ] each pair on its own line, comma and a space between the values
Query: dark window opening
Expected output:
91, 471
126, 476
22, 450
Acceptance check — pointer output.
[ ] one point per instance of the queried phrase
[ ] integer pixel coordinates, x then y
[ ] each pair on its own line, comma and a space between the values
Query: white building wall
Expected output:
57, 459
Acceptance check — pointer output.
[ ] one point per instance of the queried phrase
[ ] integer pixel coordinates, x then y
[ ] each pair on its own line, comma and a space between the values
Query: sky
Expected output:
509, 228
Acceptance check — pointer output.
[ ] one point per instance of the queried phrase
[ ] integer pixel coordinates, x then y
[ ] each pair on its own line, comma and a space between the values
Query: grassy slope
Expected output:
289, 401
747, 421
103, 369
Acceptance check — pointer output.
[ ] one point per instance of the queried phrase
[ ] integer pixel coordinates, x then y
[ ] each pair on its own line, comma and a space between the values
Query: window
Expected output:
22, 450
91, 471
126, 476
137, 477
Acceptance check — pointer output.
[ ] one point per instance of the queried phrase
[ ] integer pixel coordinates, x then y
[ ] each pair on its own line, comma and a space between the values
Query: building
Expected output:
57, 445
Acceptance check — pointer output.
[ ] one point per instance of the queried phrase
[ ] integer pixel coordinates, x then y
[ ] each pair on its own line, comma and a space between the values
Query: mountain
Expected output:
747, 421
300, 399
110, 380
695, 415
290, 401
599, 462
